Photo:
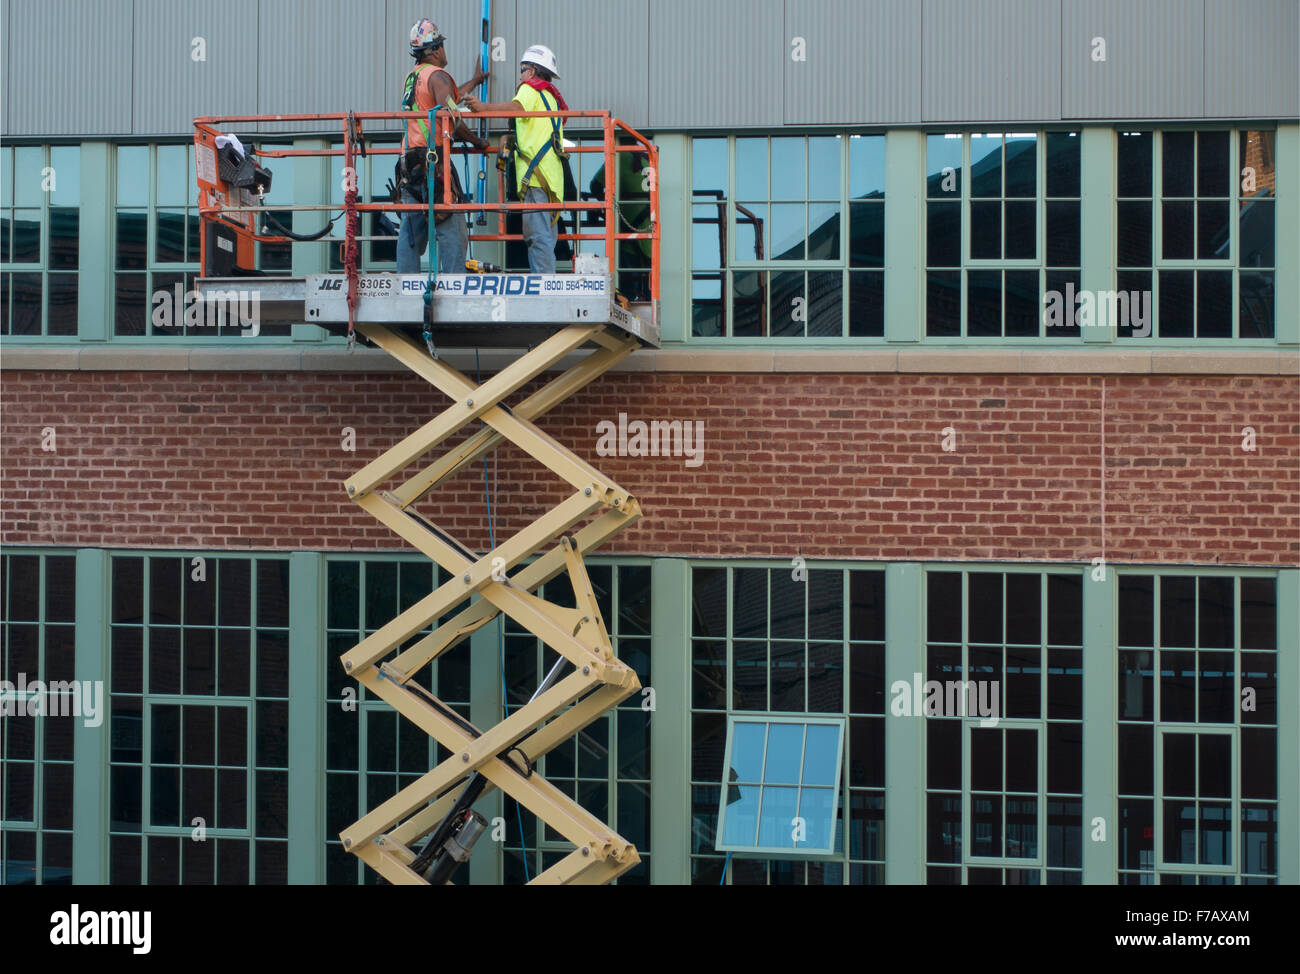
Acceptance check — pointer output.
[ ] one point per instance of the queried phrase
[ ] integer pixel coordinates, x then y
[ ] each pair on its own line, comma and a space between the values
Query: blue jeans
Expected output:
539, 233
413, 237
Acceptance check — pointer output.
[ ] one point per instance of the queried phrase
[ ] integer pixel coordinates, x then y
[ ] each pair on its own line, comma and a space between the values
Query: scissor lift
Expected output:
545, 317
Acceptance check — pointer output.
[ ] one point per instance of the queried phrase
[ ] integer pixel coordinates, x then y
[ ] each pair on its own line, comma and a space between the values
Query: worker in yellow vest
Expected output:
539, 143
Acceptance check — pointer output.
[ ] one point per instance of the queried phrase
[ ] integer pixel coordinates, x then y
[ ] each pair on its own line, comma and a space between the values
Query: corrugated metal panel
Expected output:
718, 64
71, 62
862, 62
1250, 58
990, 60
170, 87
460, 23
601, 50
320, 56
1155, 59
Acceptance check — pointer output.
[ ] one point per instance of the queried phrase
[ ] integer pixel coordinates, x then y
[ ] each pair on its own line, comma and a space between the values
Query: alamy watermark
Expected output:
953, 698
177, 307
658, 438
56, 698
1098, 309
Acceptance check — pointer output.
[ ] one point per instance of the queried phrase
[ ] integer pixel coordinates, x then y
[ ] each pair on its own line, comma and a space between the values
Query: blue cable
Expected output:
501, 636
724, 869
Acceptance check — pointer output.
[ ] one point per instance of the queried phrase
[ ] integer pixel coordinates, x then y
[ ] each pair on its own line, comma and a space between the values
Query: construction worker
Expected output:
539, 177
429, 84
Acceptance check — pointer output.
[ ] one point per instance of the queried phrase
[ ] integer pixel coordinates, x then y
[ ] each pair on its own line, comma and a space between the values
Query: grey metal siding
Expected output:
320, 56
990, 59
69, 64
862, 66
1155, 56
717, 64
601, 49
169, 87
1251, 65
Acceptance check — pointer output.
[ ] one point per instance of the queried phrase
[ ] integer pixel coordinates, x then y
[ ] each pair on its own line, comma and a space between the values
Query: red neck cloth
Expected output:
546, 86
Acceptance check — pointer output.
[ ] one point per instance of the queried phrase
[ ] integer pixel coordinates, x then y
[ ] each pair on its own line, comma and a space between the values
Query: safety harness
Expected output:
556, 142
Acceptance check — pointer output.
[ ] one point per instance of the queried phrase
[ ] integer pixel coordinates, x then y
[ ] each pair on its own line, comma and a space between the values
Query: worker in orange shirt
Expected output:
429, 84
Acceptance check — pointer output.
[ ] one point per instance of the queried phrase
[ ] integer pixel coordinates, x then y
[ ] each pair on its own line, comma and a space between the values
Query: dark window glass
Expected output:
943, 606
1212, 173
943, 304
1177, 611
1021, 225
943, 235
1063, 233
709, 674
866, 304
233, 585
867, 235
1064, 610
1136, 616
25, 302
1255, 305
867, 679
1215, 604
26, 237
986, 165
749, 603
1257, 233
1176, 303
1136, 685
1065, 684
985, 607
1180, 765
943, 754
1179, 239
985, 230
1177, 686
984, 303
1133, 232
709, 601
1214, 756
749, 675
1134, 158
1258, 762
1212, 230
1065, 758
1022, 165
867, 752
749, 307
1214, 304
1258, 613
65, 227
1024, 307
1062, 164
132, 231
1179, 158
1259, 675
1137, 834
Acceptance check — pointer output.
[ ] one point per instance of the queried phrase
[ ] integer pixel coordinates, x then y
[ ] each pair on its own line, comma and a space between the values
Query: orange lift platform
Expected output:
421, 834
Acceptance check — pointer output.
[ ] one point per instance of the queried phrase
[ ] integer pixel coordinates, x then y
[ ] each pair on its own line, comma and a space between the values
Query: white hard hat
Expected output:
542, 56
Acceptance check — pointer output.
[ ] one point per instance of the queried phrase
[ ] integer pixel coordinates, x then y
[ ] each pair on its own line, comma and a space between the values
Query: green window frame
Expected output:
1200, 238
371, 751
758, 831
40, 225
1184, 669
198, 646
767, 646
984, 280
820, 197
1020, 629
37, 610
606, 766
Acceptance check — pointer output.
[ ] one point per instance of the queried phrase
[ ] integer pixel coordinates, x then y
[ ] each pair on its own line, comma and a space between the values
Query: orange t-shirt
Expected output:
424, 101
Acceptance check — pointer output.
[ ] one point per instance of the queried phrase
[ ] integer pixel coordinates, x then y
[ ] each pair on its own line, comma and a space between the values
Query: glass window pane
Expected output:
1214, 304
1255, 305
985, 231
65, 160
867, 165
942, 165
1258, 613
751, 169
1022, 164
1063, 163
986, 759
986, 164
707, 228
1177, 686
867, 304
65, 228
1022, 760
1212, 230
1134, 163
824, 231
867, 234
132, 175
788, 169
942, 303
824, 179
1021, 237
1179, 765
25, 298
173, 175
1178, 240
787, 231
1133, 233
1256, 240
748, 740
784, 753
1214, 765
707, 315
776, 823
815, 807
709, 167
1178, 167
26, 247
1257, 150
820, 751
753, 232
943, 235
1063, 233
29, 160
1212, 175
984, 303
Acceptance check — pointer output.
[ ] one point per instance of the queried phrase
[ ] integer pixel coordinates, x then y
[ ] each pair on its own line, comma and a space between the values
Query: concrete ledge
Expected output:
957, 361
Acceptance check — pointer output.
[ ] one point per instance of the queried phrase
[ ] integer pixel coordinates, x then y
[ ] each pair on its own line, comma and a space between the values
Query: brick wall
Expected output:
825, 466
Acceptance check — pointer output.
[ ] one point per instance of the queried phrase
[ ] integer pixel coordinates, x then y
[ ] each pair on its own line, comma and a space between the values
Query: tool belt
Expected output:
410, 172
